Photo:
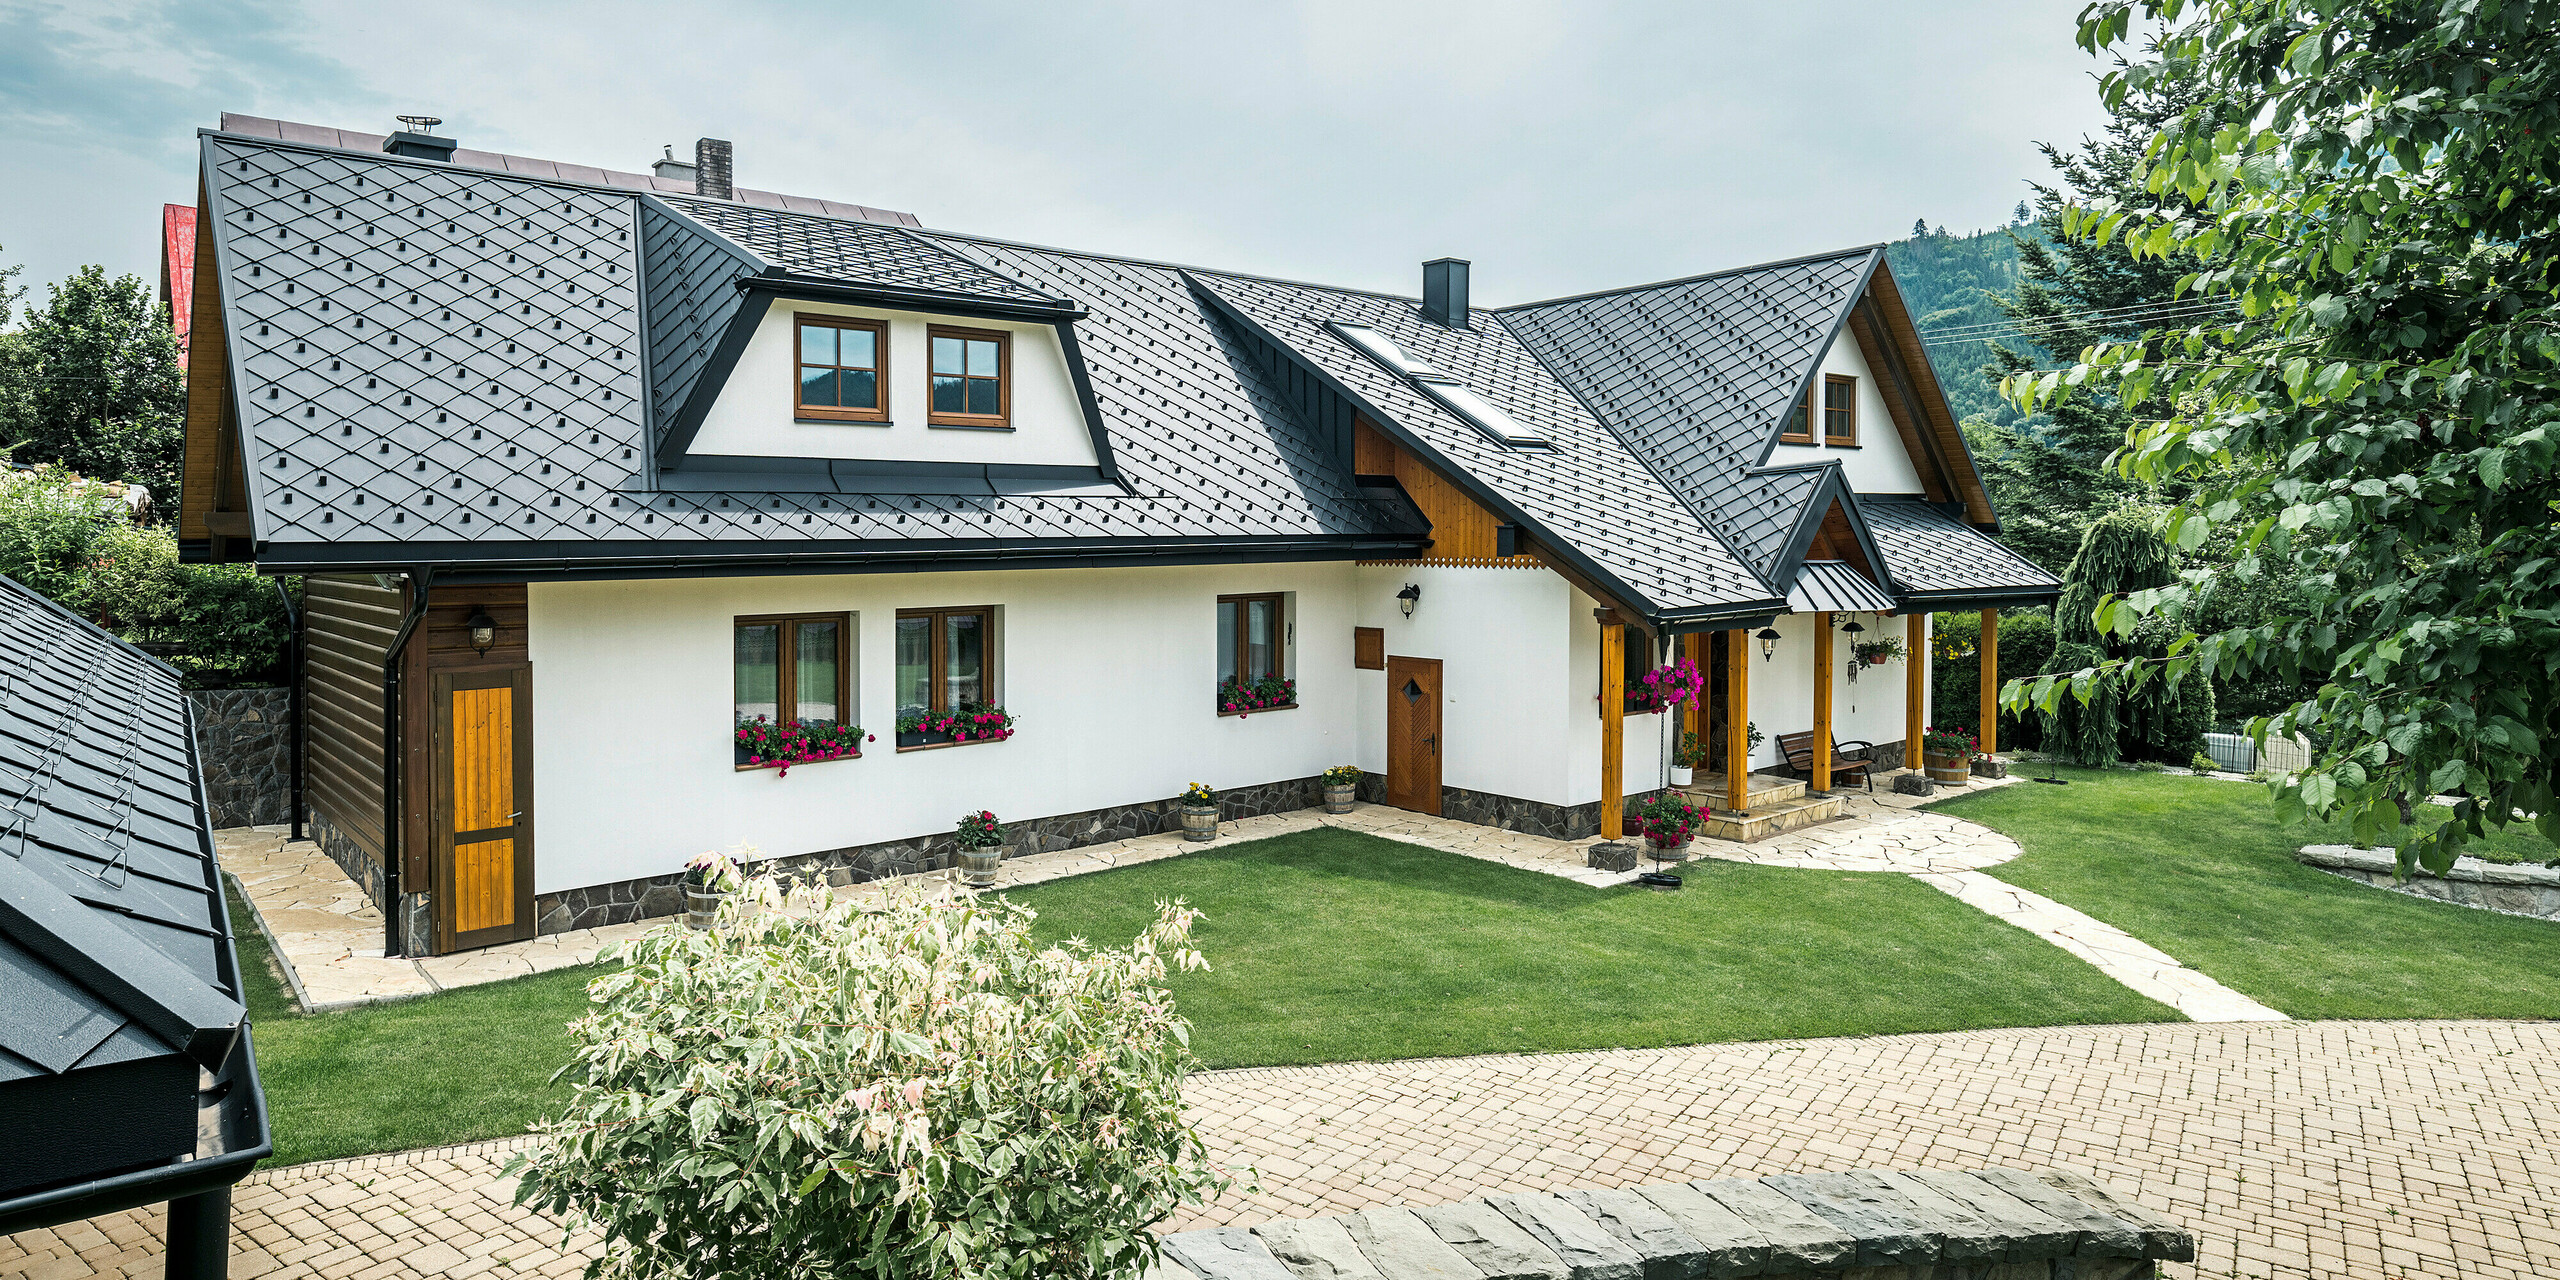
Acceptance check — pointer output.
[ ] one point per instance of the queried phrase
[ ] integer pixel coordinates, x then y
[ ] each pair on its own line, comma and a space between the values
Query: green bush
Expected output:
1955, 675
49, 519
231, 628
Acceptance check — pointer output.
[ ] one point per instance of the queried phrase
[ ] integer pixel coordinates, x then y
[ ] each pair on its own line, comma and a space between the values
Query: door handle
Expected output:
511, 818
1433, 742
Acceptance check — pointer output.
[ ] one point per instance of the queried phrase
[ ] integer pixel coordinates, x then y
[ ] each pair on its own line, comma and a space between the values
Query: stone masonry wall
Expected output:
650, 896
2520, 890
351, 857
245, 739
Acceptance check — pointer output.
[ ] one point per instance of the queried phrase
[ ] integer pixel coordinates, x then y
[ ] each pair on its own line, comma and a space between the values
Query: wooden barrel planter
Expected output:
1338, 799
702, 905
978, 866
1950, 770
1200, 822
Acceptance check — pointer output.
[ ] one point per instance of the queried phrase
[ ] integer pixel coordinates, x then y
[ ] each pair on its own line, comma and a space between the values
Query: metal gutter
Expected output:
423, 576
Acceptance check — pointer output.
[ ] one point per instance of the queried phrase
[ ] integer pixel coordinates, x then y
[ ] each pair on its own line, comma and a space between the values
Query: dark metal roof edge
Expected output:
1092, 405
160, 1182
785, 281
1796, 261
1958, 598
707, 385
745, 555
1472, 483
1804, 386
761, 264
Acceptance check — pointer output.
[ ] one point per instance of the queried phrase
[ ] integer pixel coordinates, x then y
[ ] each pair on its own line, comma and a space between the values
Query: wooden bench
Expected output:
1853, 759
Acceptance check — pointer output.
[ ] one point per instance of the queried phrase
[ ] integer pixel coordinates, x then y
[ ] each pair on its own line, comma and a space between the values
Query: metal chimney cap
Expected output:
420, 124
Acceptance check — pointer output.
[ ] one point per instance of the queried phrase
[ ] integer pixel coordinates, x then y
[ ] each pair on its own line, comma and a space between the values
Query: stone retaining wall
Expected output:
2527, 889
245, 739
626, 900
1509, 813
1865, 1225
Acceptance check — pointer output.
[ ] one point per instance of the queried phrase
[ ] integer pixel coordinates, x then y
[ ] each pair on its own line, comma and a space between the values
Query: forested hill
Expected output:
1944, 281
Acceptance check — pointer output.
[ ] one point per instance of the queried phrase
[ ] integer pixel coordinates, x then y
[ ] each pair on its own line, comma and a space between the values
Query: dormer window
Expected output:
972, 373
843, 370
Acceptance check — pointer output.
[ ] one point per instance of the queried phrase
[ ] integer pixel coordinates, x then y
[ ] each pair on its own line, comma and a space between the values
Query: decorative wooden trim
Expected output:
1003, 417
1848, 412
1285, 706
1915, 684
1737, 721
879, 330
937, 746
1368, 648
1822, 677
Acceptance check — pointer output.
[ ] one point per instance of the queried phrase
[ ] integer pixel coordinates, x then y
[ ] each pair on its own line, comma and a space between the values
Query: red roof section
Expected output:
178, 270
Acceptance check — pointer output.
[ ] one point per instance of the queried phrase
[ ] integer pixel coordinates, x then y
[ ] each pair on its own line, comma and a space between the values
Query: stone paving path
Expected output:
2372, 1150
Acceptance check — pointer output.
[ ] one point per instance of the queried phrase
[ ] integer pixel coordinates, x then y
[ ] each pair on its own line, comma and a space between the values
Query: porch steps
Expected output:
1776, 805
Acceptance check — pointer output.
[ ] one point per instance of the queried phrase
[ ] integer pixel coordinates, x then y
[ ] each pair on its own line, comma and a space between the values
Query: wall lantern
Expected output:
1409, 597
1853, 627
484, 630
1769, 639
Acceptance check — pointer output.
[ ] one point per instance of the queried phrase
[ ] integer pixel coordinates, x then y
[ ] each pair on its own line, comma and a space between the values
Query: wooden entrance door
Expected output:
483, 806
1413, 734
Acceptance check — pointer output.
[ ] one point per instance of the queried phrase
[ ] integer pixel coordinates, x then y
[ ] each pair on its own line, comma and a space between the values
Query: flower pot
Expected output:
1667, 852
1680, 775
978, 865
702, 905
1338, 799
1952, 770
1200, 822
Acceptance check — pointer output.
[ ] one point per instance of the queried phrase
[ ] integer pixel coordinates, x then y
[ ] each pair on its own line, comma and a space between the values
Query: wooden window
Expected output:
792, 669
1799, 429
1253, 660
843, 370
1369, 648
1839, 410
946, 667
972, 378
1638, 660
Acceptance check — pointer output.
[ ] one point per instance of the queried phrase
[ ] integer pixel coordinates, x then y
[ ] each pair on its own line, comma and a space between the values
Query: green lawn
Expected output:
2203, 871
1334, 946
463, 1065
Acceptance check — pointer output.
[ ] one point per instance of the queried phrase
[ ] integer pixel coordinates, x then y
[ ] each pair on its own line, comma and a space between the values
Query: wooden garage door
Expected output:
484, 807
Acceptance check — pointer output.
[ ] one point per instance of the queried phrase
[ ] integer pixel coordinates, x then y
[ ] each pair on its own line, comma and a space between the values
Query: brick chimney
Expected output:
711, 169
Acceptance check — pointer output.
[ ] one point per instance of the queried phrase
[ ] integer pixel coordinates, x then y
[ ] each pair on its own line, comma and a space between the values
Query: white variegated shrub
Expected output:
909, 1088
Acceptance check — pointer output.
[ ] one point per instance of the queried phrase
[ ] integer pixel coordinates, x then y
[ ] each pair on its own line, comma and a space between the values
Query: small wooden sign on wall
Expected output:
1369, 648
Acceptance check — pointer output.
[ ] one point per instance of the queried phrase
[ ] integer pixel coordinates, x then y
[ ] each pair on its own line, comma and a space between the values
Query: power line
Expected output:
2101, 315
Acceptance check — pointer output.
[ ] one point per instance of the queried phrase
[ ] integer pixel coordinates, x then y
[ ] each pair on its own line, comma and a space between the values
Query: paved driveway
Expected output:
2363, 1149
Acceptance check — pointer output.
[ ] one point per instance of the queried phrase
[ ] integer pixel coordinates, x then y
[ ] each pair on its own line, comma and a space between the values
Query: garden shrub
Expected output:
49, 519
1955, 673
911, 1088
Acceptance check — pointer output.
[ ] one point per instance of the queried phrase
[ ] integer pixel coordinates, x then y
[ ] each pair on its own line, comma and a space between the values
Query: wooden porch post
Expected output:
1915, 691
1990, 681
1822, 702
1613, 723
1737, 722
1693, 718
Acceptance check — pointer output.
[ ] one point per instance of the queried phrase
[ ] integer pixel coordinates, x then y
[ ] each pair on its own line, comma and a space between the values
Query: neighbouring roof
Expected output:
115, 945
834, 249
1937, 559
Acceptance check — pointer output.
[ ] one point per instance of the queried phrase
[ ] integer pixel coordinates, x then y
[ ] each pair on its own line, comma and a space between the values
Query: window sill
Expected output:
961, 424
1795, 439
1255, 711
1842, 444
790, 764
904, 748
807, 421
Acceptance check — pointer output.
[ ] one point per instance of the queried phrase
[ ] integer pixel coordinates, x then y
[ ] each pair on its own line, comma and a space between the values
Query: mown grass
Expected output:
1333, 946
2203, 870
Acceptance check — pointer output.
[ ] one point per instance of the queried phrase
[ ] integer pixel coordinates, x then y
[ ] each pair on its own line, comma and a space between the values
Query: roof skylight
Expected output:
1451, 392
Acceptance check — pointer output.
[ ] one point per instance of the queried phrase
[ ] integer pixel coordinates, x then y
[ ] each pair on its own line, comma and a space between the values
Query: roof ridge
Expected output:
1797, 261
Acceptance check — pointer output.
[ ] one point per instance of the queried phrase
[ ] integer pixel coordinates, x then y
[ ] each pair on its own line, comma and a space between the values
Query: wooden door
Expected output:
483, 806
1413, 734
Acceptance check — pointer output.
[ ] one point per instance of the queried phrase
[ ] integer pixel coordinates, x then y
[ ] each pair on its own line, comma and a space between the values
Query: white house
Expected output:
595, 477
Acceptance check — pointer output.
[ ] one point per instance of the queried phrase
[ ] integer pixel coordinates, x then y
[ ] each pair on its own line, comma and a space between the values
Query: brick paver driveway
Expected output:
2364, 1149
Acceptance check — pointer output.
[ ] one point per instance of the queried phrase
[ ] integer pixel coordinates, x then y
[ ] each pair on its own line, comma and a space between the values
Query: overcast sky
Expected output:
1561, 147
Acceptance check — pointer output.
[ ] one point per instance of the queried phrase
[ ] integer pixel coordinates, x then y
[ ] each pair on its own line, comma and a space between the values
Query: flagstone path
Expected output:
2328, 1150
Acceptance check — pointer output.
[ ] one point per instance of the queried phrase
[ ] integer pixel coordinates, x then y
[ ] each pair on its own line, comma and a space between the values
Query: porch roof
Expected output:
1833, 586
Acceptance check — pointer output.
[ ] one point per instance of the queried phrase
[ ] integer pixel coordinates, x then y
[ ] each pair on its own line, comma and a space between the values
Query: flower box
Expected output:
973, 722
762, 744
1244, 697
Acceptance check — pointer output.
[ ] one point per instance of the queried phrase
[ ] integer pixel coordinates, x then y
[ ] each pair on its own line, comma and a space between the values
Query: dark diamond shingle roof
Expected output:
824, 248
1927, 550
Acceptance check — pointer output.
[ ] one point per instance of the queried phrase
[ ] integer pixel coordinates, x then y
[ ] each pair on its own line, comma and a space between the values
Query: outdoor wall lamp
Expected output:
1853, 627
1409, 597
484, 630
1769, 639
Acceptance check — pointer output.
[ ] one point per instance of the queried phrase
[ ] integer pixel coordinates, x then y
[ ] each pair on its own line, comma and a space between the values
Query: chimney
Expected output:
417, 140
711, 169
1444, 292
672, 169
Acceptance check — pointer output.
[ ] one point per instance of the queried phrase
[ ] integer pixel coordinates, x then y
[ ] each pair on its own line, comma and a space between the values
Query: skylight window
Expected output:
1452, 393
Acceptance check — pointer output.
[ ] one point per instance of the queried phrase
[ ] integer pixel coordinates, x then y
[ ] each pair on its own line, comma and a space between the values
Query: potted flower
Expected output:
1241, 698
1691, 757
1667, 686
708, 881
762, 743
1199, 813
1948, 753
1341, 783
1876, 653
1666, 822
969, 722
981, 841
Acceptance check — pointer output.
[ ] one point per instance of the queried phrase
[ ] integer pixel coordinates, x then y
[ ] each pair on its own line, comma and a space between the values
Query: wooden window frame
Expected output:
1637, 657
936, 654
1803, 412
1002, 419
787, 669
879, 330
1279, 644
1848, 413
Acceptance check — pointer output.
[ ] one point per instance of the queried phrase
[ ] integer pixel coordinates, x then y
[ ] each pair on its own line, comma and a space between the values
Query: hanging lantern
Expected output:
1768, 639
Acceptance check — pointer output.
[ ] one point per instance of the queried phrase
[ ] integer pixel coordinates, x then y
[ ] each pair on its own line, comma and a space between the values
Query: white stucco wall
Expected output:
1646, 761
1869, 708
1111, 671
753, 415
1501, 638
1878, 464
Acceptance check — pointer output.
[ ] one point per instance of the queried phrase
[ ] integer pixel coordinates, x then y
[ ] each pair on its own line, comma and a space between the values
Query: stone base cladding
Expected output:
1510, 813
626, 900
1989, 1224
2527, 889
245, 739
350, 856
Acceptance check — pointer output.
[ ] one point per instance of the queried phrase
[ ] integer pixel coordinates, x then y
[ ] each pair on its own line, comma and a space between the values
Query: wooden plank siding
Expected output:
443, 643
1462, 531
348, 622
209, 410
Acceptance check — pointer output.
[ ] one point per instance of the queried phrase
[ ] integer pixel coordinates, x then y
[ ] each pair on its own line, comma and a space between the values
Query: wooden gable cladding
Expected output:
443, 643
1462, 531
202, 486
348, 622
1836, 540
1918, 406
